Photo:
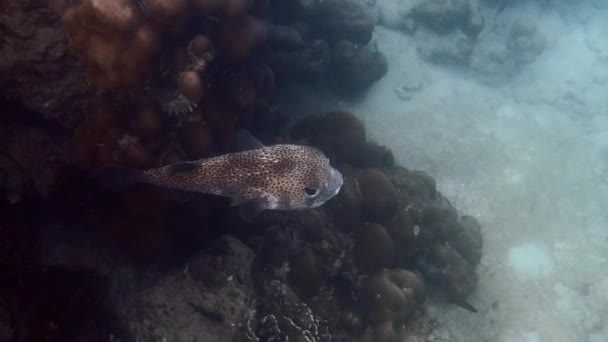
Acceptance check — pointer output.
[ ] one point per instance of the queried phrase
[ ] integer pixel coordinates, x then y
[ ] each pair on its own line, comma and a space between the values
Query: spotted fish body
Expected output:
277, 177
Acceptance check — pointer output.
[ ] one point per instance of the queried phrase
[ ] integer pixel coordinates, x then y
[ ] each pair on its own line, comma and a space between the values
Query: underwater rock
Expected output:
211, 300
283, 317
347, 20
397, 14
443, 16
355, 67
525, 41
444, 30
498, 57
491, 60
453, 47
380, 198
306, 62
35, 64
440, 16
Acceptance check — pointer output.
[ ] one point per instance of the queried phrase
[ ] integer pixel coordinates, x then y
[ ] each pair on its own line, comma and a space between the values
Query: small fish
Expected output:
277, 177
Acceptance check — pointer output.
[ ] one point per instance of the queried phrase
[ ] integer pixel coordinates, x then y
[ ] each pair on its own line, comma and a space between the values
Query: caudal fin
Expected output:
114, 178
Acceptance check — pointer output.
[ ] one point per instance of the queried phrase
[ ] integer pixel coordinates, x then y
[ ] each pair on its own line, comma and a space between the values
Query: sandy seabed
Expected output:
528, 159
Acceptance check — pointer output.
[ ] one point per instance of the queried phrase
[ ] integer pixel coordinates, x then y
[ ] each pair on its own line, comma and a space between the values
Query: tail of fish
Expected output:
116, 178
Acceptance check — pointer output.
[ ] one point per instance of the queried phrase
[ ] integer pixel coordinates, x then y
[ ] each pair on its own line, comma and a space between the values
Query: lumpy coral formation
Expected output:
113, 41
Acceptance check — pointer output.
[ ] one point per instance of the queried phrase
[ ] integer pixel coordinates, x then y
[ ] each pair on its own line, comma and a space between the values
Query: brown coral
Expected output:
379, 195
238, 37
374, 248
113, 42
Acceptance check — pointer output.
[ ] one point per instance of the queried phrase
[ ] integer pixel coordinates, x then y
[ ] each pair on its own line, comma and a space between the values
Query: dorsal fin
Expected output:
245, 141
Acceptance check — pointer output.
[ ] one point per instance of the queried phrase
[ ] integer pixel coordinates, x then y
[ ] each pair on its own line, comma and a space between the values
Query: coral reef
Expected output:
455, 33
355, 67
213, 292
147, 83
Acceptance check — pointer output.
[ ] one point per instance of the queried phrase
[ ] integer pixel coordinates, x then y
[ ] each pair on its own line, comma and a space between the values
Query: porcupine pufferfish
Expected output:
275, 177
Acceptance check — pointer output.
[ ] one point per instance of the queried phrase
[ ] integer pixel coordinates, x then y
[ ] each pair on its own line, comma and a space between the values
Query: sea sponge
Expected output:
374, 248
380, 199
112, 41
238, 37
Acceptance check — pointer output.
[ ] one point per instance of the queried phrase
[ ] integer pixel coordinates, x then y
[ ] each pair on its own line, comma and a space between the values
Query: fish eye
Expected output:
311, 192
